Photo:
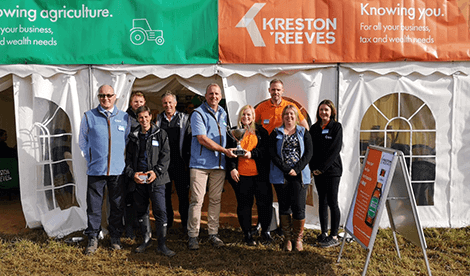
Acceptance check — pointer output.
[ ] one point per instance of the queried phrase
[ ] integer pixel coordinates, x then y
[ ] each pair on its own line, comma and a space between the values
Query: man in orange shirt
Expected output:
269, 113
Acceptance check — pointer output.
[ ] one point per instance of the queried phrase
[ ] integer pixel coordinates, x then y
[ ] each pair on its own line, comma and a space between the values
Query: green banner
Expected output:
108, 32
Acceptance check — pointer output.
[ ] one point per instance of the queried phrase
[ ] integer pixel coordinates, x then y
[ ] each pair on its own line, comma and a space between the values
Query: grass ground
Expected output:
34, 253
31, 252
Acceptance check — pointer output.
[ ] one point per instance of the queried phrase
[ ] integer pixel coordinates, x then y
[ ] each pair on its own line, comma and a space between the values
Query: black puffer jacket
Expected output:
158, 155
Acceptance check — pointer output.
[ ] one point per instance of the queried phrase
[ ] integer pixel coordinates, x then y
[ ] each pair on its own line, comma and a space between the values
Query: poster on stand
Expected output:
369, 200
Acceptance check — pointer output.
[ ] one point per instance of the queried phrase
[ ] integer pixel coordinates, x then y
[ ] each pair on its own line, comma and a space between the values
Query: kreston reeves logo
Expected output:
249, 23
288, 31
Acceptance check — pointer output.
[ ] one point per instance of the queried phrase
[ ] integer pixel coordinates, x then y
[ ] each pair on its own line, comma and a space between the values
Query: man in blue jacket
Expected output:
207, 165
102, 140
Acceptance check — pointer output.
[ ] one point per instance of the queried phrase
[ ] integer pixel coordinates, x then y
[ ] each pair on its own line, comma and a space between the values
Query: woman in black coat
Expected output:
326, 166
249, 176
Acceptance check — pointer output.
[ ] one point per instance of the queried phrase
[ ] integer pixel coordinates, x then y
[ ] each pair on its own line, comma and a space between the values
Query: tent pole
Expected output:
337, 90
90, 87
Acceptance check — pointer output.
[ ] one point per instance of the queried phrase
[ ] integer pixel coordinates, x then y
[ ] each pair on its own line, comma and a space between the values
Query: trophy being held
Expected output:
237, 134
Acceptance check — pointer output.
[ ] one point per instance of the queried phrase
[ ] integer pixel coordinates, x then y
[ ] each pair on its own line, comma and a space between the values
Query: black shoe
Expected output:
329, 242
322, 238
116, 243
266, 237
215, 240
92, 245
249, 241
193, 243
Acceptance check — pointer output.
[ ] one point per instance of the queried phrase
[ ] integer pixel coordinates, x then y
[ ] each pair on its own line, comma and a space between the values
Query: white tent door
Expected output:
53, 191
410, 113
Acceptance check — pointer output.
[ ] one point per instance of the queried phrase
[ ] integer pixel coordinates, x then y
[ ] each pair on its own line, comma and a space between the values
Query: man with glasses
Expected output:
103, 136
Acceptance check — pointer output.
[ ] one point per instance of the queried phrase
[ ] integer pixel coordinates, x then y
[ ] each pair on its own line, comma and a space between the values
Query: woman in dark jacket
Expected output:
147, 161
290, 149
327, 137
249, 176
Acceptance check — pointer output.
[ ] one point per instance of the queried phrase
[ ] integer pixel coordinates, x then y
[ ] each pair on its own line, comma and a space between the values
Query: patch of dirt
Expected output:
12, 219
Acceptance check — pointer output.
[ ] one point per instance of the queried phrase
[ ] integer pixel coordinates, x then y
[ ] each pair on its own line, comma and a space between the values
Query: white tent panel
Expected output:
405, 68
38, 100
127, 78
306, 84
459, 199
24, 70
360, 88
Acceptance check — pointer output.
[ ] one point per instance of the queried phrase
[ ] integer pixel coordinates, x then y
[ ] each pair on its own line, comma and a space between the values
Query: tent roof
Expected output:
404, 68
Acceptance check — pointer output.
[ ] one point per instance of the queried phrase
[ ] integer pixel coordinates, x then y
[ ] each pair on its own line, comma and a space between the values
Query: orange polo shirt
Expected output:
270, 116
247, 167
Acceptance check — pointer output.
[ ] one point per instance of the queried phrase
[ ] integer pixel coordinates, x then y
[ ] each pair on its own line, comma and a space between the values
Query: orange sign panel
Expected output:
369, 194
305, 31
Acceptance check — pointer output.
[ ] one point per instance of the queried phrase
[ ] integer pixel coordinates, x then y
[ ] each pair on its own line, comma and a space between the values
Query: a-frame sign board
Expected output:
384, 183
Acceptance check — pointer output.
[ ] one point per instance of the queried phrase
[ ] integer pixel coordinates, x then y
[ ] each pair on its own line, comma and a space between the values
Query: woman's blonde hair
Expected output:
252, 126
296, 112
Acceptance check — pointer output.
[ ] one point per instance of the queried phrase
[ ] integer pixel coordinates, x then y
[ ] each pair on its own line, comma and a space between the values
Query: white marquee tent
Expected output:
48, 98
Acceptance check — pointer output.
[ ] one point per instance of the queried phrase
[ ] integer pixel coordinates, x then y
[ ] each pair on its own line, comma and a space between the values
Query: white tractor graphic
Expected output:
141, 32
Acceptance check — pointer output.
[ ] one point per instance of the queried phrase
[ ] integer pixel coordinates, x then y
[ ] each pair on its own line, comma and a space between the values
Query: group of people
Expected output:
137, 160
282, 150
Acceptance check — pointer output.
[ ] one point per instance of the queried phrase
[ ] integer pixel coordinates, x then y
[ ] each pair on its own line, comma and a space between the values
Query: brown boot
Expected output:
286, 226
298, 233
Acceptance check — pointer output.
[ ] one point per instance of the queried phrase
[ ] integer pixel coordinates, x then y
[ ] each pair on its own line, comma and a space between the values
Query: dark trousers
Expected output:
142, 194
246, 190
180, 175
327, 188
292, 197
95, 195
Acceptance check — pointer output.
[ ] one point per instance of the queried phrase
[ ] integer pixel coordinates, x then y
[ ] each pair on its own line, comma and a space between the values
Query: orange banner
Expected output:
306, 31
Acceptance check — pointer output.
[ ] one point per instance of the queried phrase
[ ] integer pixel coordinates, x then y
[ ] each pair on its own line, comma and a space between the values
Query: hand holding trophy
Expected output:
237, 134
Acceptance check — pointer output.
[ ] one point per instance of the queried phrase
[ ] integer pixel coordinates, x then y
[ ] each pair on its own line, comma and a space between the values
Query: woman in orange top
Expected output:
249, 176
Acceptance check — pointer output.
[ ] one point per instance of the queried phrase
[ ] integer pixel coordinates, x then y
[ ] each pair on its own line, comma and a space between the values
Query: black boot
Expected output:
161, 238
144, 223
266, 237
249, 239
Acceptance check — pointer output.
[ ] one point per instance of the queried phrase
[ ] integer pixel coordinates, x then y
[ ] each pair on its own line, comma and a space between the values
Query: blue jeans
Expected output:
95, 195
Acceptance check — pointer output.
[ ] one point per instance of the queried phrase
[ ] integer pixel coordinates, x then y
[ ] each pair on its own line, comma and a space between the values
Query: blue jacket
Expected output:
214, 125
103, 141
279, 169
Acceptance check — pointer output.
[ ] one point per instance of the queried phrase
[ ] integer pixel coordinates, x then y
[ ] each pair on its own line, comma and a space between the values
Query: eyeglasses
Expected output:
102, 96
